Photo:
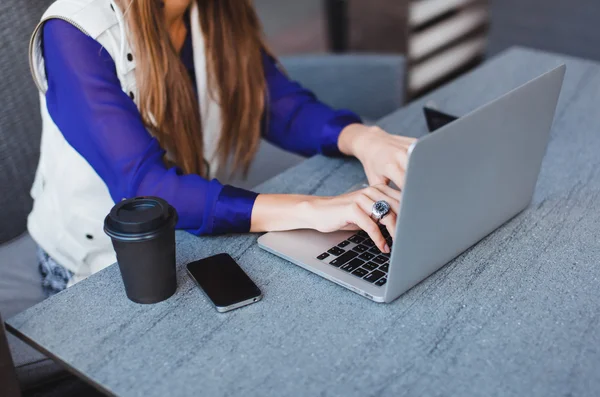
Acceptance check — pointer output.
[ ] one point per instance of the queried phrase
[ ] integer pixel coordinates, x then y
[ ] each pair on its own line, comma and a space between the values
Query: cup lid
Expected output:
138, 215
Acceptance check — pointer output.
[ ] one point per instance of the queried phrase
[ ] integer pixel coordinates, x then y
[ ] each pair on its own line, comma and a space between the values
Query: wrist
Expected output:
354, 139
347, 141
306, 211
278, 212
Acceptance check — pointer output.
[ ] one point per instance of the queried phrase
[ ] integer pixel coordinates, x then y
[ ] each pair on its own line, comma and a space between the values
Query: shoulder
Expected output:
94, 18
66, 46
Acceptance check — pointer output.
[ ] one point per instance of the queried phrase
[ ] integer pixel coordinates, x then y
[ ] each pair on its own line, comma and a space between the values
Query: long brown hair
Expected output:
168, 104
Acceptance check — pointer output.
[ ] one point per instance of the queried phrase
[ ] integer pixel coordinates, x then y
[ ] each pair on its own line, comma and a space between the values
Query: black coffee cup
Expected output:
143, 235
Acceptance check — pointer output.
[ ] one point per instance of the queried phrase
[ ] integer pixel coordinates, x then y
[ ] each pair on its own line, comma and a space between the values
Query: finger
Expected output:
377, 194
366, 204
396, 175
389, 221
367, 224
375, 179
390, 191
406, 140
378, 180
402, 158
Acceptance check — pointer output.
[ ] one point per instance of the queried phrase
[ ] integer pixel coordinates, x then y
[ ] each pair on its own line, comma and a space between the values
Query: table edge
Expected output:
56, 359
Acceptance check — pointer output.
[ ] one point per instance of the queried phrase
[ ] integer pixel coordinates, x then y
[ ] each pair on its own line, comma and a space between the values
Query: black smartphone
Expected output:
224, 282
436, 119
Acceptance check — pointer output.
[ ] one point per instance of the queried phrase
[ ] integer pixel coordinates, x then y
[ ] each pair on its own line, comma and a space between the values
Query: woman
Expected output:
149, 97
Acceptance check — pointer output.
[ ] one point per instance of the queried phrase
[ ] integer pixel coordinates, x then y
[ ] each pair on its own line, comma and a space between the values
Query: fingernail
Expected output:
386, 249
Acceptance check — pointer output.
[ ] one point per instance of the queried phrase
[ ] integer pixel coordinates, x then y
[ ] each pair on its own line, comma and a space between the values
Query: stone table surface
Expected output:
517, 314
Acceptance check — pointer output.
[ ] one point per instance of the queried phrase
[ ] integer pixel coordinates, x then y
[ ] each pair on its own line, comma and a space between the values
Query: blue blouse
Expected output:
103, 124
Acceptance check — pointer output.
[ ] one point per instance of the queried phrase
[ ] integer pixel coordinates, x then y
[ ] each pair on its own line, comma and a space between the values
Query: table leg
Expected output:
8, 376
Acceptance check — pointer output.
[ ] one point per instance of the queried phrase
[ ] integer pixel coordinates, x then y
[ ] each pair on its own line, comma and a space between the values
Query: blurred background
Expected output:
402, 50
440, 38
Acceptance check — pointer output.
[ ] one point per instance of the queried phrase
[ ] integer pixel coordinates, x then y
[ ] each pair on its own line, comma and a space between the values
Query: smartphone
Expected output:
224, 282
436, 119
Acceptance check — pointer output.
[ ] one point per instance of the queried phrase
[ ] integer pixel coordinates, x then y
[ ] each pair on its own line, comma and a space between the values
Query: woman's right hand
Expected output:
352, 211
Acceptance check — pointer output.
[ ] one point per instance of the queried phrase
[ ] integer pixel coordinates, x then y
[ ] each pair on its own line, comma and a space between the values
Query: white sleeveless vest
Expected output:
70, 199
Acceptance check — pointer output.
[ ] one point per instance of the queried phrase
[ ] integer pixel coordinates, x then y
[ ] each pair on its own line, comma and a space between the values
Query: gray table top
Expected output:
518, 314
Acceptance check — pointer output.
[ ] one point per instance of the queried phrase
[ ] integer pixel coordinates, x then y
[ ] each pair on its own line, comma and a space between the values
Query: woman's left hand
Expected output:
384, 156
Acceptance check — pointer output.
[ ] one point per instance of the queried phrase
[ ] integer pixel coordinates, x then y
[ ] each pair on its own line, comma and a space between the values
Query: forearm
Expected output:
275, 212
278, 212
297, 121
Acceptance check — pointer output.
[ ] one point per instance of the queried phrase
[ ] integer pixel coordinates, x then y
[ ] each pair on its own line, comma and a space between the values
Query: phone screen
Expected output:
224, 281
436, 119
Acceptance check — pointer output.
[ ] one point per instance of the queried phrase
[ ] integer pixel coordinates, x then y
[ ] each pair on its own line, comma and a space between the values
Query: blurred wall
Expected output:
293, 26
566, 26
300, 26
377, 26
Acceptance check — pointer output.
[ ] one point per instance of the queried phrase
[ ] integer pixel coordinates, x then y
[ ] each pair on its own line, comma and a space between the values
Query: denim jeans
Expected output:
55, 277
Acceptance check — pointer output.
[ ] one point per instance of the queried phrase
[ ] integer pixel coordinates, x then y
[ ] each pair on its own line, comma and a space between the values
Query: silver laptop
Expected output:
462, 182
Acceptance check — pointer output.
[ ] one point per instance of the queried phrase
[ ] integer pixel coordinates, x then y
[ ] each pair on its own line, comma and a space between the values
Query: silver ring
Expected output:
380, 209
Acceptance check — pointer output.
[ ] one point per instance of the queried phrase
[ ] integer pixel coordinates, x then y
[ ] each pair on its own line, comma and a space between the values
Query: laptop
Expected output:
463, 181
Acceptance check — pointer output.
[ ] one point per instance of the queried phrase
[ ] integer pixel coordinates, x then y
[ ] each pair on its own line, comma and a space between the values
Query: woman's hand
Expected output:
351, 211
383, 156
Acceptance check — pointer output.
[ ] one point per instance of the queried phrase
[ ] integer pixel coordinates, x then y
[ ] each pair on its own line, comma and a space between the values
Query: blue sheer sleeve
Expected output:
297, 121
103, 124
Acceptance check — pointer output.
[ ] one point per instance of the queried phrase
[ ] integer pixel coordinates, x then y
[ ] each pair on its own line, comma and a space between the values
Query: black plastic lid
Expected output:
138, 216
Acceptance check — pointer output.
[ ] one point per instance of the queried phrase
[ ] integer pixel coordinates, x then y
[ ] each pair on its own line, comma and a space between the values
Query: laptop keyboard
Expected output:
359, 256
